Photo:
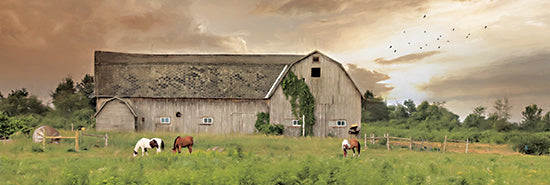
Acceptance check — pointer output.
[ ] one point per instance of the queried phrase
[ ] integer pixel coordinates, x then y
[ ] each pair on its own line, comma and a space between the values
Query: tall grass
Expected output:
255, 159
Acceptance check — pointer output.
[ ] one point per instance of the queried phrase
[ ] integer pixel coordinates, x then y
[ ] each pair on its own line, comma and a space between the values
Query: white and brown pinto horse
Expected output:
160, 143
144, 144
351, 144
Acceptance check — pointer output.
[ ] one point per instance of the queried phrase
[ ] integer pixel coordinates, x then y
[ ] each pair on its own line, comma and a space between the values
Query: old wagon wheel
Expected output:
45, 131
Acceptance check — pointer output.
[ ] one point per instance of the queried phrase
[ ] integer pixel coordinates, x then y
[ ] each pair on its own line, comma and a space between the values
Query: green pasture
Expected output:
254, 159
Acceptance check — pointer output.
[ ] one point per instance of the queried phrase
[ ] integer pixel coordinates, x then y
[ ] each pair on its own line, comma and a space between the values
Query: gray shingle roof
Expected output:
187, 76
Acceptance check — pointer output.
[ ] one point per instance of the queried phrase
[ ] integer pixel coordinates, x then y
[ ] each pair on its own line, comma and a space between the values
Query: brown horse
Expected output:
182, 142
352, 144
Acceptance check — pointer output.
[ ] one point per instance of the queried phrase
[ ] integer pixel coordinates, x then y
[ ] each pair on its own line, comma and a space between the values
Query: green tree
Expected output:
86, 87
502, 107
65, 87
532, 118
411, 107
476, 119
546, 122
373, 108
72, 104
20, 102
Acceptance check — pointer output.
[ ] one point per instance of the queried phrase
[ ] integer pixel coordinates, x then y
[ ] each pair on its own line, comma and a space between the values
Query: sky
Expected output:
465, 53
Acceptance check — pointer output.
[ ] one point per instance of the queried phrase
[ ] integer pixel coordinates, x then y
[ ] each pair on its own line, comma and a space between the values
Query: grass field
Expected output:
255, 159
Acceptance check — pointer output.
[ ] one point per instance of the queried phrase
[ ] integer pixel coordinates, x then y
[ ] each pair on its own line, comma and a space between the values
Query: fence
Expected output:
412, 144
76, 139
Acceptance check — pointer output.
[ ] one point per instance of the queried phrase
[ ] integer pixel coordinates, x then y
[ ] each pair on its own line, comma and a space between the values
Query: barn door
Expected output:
321, 125
243, 123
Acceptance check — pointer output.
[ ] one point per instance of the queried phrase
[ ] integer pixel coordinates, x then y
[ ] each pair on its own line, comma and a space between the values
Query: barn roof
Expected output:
188, 76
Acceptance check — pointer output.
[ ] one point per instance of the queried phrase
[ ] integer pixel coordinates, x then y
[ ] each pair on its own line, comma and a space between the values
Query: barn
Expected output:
219, 93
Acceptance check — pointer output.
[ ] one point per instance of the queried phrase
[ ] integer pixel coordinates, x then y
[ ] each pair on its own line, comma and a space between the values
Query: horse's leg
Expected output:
179, 149
353, 151
190, 148
345, 153
146, 152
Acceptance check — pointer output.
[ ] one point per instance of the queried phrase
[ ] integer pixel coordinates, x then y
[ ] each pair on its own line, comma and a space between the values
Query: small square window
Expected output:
165, 120
316, 72
341, 123
207, 120
315, 59
296, 123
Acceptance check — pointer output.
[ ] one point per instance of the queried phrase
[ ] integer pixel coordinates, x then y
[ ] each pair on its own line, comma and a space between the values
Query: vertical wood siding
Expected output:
229, 116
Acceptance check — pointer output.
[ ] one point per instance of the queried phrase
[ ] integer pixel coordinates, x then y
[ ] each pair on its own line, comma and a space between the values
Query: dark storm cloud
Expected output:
525, 76
368, 80
44, 41
410, 58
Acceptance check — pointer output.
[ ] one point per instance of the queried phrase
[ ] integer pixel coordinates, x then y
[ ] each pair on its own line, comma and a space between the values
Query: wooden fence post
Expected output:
76, 141
467, 142
445, 144
411, 144
388, 140
372, 137
366, 142
106, 140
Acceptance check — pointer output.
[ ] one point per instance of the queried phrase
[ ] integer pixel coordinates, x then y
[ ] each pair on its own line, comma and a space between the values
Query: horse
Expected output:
144, 144
161, 144
182, 142
352, 144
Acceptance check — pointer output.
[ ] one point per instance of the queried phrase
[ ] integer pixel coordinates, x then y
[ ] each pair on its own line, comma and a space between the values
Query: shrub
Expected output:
263, 126
533, 144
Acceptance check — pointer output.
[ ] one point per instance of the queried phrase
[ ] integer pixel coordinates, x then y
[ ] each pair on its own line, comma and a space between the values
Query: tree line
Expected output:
434, 116
73, 103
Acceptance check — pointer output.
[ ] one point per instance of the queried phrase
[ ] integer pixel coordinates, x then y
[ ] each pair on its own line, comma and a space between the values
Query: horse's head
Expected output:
153, 143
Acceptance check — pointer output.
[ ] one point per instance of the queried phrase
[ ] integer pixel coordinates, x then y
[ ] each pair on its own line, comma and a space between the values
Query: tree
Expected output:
19, 102
66, 87
373, 108
532, 118
546, 122
502, 107
411, 107
86, 86
476, 119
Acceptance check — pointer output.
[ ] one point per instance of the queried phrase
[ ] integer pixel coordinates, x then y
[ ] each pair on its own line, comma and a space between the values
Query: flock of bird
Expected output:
439, 38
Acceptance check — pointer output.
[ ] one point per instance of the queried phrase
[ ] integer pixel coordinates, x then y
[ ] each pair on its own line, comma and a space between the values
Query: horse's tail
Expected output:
162, 144
358, 148
175, 143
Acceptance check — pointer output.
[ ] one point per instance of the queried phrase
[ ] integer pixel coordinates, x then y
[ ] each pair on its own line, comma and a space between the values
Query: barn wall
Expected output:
115, 116
229, 116
336, 98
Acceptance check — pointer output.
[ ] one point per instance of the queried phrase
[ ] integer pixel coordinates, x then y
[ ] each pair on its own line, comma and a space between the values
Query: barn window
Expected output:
207, 120
316, 72
165, 120
341, 123
296, 123
315, 59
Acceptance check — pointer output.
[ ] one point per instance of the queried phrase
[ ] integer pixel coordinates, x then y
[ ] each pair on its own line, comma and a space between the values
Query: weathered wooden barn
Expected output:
219, 93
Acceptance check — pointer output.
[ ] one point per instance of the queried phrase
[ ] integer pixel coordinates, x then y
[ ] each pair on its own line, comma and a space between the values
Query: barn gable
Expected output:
187, 76
116, 114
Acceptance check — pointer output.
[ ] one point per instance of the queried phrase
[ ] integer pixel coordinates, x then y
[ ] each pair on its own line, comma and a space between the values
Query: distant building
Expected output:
219, 93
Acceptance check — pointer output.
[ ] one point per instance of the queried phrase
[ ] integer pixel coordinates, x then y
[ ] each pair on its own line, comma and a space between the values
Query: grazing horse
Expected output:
145, 143
160, 142
352, 144
182, 142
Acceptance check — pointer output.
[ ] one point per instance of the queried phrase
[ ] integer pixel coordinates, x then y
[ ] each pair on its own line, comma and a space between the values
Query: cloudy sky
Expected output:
467, 53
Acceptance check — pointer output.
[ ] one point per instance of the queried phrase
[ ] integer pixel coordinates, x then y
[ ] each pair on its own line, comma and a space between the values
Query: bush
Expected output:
263, 126
534, 144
